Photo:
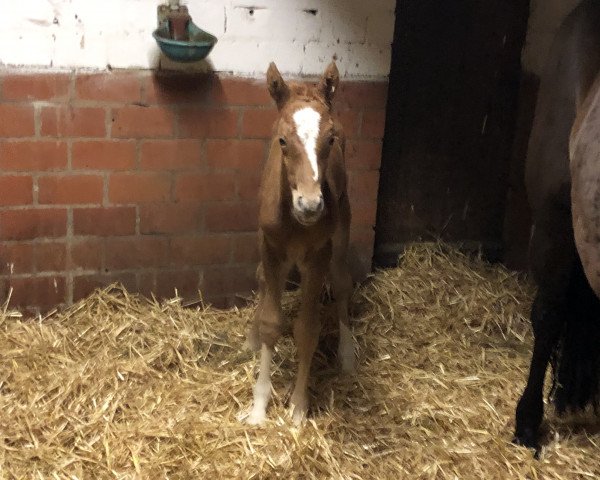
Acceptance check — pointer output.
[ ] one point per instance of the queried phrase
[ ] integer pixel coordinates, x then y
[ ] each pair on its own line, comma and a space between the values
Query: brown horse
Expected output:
564, 247
304, 220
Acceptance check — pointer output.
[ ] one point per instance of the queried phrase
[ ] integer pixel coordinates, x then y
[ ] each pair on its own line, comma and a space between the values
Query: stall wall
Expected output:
301, 35
116, 165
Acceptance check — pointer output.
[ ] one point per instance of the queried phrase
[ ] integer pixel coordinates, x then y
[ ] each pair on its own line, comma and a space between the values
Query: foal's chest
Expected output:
299, 250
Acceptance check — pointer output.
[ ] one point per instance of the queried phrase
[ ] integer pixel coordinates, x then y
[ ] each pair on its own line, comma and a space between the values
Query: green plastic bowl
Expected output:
197, 48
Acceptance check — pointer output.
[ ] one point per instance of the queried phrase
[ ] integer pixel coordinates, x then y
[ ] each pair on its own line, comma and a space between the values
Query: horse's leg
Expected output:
547, 318
269, 329
342, 289
307, 327
552, 253
253, 333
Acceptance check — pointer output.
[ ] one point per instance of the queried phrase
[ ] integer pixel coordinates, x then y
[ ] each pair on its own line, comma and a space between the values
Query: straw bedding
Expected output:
121, 387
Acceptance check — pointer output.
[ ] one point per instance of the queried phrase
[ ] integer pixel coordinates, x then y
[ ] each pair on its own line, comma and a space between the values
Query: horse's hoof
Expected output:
528, 438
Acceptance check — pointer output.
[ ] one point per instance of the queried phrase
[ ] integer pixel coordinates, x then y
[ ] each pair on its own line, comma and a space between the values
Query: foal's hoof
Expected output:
299, 415
254, 417
299, 410
348, 368
528, 438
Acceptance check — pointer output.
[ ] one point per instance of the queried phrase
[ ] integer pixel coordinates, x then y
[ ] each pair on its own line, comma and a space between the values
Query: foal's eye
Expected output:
331, 140
282, 142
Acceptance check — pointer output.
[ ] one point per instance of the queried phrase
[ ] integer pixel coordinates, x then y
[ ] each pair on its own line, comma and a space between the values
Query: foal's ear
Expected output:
277, 86
329, 82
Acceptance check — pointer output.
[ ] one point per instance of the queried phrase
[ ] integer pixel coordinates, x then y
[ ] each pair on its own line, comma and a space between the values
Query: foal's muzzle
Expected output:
308, 210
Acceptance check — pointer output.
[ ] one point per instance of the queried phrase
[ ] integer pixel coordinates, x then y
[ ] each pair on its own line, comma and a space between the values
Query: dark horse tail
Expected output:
576, 360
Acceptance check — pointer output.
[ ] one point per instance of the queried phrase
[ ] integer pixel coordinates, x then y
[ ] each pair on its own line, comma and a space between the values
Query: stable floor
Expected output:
118, 387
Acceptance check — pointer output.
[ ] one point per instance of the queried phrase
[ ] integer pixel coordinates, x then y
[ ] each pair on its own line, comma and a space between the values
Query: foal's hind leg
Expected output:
342, 286
307, 328
253, 333
342, 289
547, 318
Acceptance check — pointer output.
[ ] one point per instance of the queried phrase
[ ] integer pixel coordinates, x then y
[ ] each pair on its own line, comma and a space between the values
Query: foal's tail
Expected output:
576, 361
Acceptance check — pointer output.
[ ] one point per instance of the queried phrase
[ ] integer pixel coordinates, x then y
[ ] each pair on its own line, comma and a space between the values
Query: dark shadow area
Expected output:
451, 119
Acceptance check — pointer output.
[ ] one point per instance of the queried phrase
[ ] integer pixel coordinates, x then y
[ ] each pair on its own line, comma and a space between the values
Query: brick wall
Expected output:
151, 181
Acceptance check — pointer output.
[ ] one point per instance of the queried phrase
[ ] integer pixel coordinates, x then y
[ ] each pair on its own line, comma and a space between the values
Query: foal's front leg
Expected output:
307, 328
268, 325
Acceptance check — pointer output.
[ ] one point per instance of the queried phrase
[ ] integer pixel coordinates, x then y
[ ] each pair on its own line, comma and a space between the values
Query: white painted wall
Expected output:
96, 33
544, 20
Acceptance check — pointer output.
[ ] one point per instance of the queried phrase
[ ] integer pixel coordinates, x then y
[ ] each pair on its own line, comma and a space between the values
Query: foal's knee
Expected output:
269, 333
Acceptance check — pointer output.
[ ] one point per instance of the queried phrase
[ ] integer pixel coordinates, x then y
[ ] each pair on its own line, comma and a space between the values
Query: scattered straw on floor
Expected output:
118, 387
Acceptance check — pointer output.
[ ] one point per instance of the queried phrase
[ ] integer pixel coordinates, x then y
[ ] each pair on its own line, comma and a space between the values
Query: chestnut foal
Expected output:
304, 220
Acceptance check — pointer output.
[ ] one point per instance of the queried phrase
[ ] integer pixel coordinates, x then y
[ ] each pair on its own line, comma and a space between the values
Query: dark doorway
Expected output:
451, 115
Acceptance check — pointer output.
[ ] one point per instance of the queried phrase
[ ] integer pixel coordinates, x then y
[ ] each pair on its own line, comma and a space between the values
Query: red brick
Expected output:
139, 187
15, 190
239, 155
41, 292
50, 257
203, 122
84, 285
34, 156
171, 154
200, 250
204, 187
350, 122
364, 213
363, 186
224, 280
235, 217
16, 258
67, 121
238, 91
361, 251
245, 248
142, 122
373, 124
364, 236
71, 189
248, 187
87, 254
362, 94
363, 155
16, 121
170, 218
186, 282
35, 223
146, 283
46, 86
109, 87
103, 154
178, 88
104, 221
136, 252
258, 123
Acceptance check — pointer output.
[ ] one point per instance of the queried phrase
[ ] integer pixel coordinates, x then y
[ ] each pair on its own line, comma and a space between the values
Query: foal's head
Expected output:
305, 133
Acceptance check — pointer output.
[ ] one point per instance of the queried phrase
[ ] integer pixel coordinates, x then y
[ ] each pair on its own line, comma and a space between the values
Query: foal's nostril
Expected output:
321, 204
310, 207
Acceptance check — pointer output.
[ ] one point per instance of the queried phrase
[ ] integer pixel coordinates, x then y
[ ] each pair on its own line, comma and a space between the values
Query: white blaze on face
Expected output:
307, 122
